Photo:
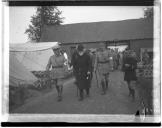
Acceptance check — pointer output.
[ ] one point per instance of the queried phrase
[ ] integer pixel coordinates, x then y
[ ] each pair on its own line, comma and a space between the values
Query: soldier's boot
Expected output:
61, 90
59, 94
129, 88
87, 92
107, 81
130, 92
57, 88
103, 87
133, 94
81, 95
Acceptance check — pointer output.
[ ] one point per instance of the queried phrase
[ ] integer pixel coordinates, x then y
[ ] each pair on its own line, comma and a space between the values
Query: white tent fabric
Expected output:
18, 74
28, 57
29, 47
34, 61
34, 56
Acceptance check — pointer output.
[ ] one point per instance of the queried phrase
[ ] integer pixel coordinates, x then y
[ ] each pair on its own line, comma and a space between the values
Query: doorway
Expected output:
120, 46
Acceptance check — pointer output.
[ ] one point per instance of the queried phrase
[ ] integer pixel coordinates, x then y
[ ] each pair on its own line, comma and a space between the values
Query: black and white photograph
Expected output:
81, 64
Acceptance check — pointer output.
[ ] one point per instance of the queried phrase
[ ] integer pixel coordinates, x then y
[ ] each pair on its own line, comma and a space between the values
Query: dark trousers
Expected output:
81, 91
131, 91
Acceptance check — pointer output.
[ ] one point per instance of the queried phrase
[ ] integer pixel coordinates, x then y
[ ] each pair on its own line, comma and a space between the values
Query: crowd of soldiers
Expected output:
87, 64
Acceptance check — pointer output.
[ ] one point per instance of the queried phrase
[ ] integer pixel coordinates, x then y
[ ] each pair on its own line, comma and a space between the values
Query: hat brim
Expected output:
56, 47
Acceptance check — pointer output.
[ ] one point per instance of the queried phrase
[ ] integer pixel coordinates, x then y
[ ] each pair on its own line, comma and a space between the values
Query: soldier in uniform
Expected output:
145, 57
111, 59
92, 58
58, 69
130, 65
102, 66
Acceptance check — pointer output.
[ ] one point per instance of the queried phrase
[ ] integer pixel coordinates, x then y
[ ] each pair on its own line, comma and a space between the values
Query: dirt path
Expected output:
116, 101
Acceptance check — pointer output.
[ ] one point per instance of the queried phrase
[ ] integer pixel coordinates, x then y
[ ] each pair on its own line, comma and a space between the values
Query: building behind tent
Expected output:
135, 33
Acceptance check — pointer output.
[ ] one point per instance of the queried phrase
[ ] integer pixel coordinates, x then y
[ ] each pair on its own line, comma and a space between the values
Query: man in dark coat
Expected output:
130, 65
82, 66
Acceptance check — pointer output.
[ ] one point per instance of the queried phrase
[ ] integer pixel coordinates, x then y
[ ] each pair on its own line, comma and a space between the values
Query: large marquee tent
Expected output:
27, 57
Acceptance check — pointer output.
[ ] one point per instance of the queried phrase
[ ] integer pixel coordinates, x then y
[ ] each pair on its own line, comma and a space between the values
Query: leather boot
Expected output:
103, 88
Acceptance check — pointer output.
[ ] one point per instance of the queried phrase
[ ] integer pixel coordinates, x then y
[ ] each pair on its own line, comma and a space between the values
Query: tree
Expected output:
148, 13
45, 15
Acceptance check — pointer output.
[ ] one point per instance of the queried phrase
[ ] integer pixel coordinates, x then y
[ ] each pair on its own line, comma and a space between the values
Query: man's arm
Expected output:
96, 63
72, 60
48, 65
89, 64
134, 64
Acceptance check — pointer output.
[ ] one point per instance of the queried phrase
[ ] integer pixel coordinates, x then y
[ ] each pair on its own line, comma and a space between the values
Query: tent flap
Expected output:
27, 57
25, 47
18, 73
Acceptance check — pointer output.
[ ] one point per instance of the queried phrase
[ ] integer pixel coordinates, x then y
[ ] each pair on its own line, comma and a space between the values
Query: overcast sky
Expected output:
20, 17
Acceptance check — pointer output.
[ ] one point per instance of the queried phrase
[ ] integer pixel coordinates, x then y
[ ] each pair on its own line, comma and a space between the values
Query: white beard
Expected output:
81, 53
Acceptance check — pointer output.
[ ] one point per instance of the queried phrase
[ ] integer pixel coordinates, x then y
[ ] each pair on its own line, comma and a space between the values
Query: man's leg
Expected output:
57, 88
128, 82
133, 94
87, 92
133, 84
107, 80
60, 92
131, 90
81, 94
103, 85
60, 89
107, 84
56, 84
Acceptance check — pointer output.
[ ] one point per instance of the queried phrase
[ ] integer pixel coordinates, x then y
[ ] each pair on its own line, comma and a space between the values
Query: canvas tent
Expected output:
34, 56
18, 74
28, 57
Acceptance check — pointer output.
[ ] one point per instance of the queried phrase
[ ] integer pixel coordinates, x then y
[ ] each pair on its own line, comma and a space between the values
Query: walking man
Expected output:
82, 69
57, 65
102, 66
130, 65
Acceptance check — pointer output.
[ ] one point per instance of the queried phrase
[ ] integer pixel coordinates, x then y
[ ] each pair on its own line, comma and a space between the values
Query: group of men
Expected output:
84, 64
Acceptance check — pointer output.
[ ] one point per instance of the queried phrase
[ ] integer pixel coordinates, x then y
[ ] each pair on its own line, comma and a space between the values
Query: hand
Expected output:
88, 73
127, 65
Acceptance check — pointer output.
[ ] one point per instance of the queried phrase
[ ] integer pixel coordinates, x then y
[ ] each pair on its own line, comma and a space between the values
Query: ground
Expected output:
116, 101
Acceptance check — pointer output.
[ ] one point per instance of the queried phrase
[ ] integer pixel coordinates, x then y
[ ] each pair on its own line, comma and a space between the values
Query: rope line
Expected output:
12, 50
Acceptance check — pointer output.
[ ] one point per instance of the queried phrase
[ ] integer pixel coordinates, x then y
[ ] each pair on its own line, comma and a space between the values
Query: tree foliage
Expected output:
148, 13
45, 15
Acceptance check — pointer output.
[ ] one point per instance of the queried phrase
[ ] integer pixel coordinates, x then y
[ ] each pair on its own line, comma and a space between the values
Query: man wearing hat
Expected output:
82, 66
102, 66
130, 65
57, 74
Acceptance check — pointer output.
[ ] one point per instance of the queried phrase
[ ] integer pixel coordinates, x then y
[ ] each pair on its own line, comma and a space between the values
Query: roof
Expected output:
99, 31
31, 47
